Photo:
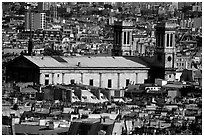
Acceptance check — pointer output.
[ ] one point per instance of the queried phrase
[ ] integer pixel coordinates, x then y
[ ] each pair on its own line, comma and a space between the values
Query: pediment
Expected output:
187, 37
21, 62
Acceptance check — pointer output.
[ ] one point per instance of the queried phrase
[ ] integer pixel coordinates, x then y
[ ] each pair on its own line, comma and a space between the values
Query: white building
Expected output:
105, 72
35, 21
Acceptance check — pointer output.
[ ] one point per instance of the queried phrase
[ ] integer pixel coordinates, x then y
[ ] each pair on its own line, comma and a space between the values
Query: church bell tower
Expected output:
165, 48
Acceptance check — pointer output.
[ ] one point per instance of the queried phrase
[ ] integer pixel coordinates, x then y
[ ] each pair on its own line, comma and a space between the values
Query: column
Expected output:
140, 48
123, 37
100, 80
82, 78
143, 49
136, 80
62, 78
173, 40
126, 37
53, 78
118, 80
41, 79
166, 40
118, 37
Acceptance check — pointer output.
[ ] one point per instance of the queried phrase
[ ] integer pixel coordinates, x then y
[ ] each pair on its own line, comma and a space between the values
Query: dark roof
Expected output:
152, 61
29, 90
138, 60
59, 59
198, 74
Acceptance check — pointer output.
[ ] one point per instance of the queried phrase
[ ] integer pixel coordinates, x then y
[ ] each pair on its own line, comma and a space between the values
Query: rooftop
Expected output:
85, 62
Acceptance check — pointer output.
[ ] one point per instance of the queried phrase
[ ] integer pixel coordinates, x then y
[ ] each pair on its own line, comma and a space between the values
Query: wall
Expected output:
169, 76
178, 75
100, 77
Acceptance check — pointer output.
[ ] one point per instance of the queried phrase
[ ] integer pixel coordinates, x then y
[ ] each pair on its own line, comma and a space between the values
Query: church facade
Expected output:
164, 59
105, 72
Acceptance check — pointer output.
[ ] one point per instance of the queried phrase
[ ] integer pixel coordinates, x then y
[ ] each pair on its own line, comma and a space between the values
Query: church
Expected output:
162, 64
106, 72
113, 72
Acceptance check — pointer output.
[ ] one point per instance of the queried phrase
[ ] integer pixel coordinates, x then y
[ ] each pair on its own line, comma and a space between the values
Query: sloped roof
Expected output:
185, 35
45, 61
85, 62
198, 74
29, 90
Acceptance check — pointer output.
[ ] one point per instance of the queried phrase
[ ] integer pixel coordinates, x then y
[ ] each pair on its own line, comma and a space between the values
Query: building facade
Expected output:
104, 72
35, 21
165, 48
122, 44
183, 62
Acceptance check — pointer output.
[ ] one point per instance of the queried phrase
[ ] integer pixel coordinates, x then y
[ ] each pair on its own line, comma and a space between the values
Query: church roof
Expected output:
85, 62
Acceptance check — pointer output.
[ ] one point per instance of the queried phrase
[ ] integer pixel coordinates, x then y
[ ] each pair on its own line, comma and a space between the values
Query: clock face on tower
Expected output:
169, 61
169, 58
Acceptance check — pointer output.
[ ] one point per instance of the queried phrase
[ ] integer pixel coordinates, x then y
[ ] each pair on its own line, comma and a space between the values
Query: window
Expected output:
91, 82
127, 82
84, 97
47, 75
169, 76
47, 82
74, 97
124, 37
58, 75
109, 83
128, 38
72, 81
103, 97
167, 41
32, 95
171, 40
93, 97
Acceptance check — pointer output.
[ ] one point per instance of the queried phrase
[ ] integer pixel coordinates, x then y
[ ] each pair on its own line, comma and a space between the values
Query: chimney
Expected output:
40, 91
30, 47
79, 63
101, 119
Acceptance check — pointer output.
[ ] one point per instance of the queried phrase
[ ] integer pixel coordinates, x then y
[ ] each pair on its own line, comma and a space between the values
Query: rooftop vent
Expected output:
79, 64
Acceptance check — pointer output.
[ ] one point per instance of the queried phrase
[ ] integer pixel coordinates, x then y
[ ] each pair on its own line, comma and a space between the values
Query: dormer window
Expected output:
74, 97
188, 39
84, 97
93, 97
103, 97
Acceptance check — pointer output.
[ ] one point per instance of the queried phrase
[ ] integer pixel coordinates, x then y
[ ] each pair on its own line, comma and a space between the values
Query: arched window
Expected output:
169, 58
